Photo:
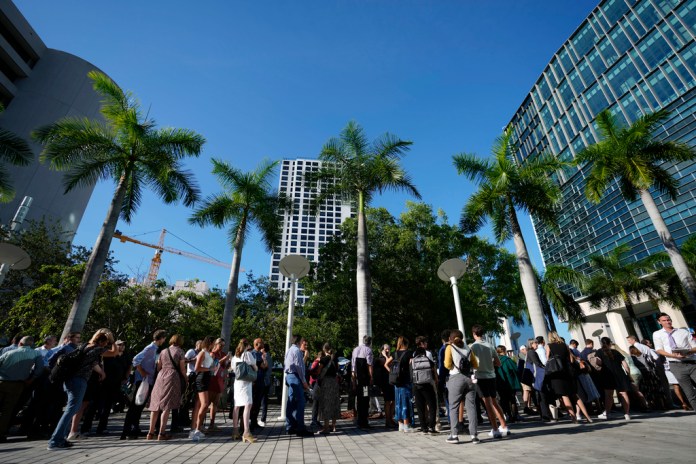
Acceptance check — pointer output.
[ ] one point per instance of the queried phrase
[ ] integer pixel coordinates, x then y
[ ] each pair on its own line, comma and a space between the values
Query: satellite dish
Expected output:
515, 336
17, 258
294, 266
597, 332
454, 267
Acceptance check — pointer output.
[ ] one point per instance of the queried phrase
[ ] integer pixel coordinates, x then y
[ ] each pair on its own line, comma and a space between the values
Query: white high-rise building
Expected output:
304, 231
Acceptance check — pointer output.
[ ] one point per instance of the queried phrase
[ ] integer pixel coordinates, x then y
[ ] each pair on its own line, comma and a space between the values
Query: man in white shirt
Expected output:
679, 347
644, 349
541, 349
50, 342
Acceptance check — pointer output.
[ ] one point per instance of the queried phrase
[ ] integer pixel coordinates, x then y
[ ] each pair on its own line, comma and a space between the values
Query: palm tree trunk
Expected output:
675, 256
634, 320
95, 263
362, 275
233, 285
529, 282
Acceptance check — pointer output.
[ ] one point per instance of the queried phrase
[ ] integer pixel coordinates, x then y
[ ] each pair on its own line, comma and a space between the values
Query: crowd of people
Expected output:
59, 391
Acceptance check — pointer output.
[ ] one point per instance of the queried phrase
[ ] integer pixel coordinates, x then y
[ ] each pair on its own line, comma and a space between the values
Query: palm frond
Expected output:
217, 210
14, 149
471, 166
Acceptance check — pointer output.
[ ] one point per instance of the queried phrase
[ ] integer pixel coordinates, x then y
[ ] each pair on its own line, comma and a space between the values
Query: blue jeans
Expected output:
403, 407
294, 411
75, 388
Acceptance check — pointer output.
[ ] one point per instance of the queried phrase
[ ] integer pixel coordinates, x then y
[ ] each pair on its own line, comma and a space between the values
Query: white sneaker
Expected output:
627, 417
495, 434
401, 427
200, 435
603, 416
261, 423
191, 434
409, 429
74, 437
438, 427
504, 431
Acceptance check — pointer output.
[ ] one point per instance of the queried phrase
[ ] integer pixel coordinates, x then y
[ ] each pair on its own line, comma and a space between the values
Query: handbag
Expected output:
554, 365
244, 372
143, 390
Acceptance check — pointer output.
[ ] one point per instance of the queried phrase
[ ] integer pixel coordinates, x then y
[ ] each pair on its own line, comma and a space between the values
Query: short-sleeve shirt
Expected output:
484, 352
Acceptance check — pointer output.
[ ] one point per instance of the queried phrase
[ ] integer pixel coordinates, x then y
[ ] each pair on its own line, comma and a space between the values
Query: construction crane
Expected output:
157, 259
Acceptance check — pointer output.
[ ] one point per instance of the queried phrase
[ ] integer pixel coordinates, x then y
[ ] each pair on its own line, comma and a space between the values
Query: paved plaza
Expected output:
648, 438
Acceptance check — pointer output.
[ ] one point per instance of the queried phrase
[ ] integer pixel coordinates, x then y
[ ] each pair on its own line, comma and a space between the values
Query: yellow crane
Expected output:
157, 259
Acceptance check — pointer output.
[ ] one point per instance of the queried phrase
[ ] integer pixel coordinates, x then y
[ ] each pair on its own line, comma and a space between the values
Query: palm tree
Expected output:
358, 170
505, 187
553, 286
13, 150
614, 282
247, 200
128, 149
634, 157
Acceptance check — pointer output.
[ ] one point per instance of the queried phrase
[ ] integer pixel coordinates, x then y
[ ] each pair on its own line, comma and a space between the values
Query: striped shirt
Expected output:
20, 364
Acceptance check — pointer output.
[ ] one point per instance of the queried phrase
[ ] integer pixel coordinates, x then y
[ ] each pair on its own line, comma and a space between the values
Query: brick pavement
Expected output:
659, 437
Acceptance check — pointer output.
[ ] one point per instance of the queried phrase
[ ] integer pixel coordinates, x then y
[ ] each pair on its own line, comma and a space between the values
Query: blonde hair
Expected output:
554, 337
241, 347
102, 335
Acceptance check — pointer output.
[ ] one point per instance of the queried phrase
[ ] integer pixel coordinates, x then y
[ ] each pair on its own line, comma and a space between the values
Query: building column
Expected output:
618, 329
678, 319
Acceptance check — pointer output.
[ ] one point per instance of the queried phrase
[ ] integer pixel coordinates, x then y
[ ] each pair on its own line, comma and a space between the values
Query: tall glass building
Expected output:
633, 57
304, 231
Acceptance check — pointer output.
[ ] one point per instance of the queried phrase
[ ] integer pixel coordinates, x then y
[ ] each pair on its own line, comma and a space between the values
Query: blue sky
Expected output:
277, 79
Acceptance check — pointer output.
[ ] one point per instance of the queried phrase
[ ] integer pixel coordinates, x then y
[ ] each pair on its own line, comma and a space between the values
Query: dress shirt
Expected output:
8, 349
541, 351
147, 360
646, 351
20, 364
294, 362
682, 339
361, 351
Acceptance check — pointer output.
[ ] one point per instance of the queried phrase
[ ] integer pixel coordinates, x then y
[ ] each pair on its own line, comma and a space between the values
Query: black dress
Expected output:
562, 383
612, 374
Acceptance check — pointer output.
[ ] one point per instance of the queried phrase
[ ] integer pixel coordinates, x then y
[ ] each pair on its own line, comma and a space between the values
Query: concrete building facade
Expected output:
304, 232
38, 86
633, 57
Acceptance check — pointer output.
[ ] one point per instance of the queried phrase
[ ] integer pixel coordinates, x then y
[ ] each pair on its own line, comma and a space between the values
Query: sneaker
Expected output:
452, 439
504, 431
262, 424
627, 417
75, 437
495, 434
603, 416
475, 440
401, 427
438, 427
409, 429
192, 433
198, 435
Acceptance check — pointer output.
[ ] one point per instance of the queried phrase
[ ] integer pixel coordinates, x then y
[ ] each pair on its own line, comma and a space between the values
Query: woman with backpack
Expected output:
329, 395
424, 378
243, 390
400, 377
79, 365
460, 386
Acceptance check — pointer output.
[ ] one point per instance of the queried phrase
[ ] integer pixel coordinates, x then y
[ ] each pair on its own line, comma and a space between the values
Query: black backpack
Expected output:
395, 370
422, 370
362, 372
464, 365
67, 364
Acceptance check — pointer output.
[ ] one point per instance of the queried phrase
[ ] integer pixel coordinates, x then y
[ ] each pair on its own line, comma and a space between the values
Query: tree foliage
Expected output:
408, 297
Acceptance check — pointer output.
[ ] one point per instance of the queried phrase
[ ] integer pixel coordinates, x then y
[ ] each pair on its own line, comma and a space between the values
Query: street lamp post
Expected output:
450, 271
293, 267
